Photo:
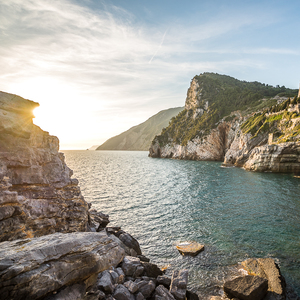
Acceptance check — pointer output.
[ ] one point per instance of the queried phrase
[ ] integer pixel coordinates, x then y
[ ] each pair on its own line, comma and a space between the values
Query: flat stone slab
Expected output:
190, 248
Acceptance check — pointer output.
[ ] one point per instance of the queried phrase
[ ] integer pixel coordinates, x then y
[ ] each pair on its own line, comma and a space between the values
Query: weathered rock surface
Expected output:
190, 248
267, 269
34, 268
37, 194
246, 287
161, 293
179, 284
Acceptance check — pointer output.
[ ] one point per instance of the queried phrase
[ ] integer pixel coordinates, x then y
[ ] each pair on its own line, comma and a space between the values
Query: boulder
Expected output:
151, 270
122, 293
190, 248
131, 286
105, 283
34, 268
268, 269
146, 287
132, 267
179, 284
164, 280
247, 287
130, 242
161, 293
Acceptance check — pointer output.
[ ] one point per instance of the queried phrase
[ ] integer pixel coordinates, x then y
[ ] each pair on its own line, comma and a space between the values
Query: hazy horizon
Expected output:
98, 68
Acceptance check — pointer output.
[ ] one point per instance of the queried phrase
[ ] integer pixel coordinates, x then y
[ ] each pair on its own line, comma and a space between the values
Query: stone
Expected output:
121, 274
268, 269
131, 286
72, 292
143, 258
139, 296
164, 280
130, 242
151, 270
114, 276
190, 248
161, 293
98, 220
122, 293
179, 284
105, 283
247, 287
34, 268
132, 266
146, 287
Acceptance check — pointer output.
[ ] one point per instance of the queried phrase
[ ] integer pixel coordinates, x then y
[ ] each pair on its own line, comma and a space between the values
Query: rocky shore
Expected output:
55, 247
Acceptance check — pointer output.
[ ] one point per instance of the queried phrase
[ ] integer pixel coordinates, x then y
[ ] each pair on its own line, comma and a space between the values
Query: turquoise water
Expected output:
235, 213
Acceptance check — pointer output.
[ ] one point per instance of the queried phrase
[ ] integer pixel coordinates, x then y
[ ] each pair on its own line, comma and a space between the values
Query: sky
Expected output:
99, 67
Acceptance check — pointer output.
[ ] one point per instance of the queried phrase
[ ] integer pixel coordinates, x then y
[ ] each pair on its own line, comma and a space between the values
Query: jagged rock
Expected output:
151, 270
139, 296
268, 269
98, 220
130, 242
122, 293
105, 283
190, 248
247, 287
179, 284
33, 268
131, 286
33, 174
161, 293
146, 287
164, 280
143, 258
132, 266
121, 275
72, 292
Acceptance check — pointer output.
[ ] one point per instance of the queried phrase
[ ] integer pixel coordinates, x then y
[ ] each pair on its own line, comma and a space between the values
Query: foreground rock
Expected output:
190, 248
32, 269
267, 268
247, 288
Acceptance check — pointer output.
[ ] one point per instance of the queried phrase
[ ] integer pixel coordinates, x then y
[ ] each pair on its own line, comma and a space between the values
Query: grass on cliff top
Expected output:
224, 94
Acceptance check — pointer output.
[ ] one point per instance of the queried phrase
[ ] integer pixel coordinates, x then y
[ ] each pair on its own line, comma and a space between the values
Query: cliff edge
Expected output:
246, 124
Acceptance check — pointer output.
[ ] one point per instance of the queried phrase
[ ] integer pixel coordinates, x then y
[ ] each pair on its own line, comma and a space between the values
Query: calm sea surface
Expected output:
235, 213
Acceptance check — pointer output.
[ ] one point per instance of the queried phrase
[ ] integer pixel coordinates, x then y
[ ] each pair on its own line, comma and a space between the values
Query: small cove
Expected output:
235, 213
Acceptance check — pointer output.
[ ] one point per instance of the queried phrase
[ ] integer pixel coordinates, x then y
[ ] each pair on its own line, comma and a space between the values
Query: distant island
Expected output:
140, 137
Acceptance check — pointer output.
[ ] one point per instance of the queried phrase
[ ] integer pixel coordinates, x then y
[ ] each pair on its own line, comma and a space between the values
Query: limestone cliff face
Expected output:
37, 194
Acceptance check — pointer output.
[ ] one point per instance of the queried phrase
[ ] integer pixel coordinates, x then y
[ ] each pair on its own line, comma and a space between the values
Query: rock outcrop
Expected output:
37, 194
35, 268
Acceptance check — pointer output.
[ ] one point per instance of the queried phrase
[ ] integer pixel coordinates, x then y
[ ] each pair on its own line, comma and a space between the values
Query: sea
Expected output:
236, 214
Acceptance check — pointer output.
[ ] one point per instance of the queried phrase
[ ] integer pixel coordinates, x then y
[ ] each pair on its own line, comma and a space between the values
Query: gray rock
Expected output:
132, 266
114, 276
151, 270
131, 286
122, 293
72, 292
121, 274
161, 293
139, 296
105, 283
146, 287
130, 242
33, 268
164, 280
179, 284
191, 295
143, 258
247, 287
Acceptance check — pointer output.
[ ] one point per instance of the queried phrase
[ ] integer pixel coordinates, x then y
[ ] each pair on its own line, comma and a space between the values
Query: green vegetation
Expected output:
224, 95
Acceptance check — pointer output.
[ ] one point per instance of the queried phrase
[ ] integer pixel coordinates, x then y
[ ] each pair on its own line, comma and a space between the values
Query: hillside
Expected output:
246, 124
139, 137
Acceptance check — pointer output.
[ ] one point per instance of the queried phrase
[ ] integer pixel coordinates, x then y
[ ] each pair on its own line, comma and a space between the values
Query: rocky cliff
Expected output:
37, 194
210, 127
